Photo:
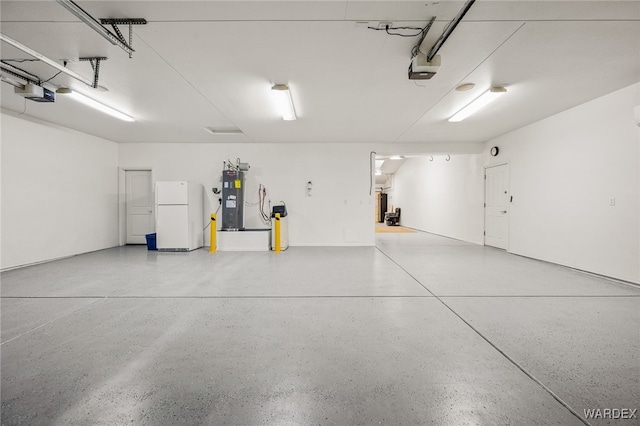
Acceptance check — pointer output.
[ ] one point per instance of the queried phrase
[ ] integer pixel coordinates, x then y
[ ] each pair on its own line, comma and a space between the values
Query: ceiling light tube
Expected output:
94, 24
44, 59
284, 103
479, 103
79, 97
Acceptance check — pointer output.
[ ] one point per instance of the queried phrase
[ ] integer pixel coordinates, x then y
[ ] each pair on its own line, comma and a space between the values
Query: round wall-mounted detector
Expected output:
465, 87
494, 151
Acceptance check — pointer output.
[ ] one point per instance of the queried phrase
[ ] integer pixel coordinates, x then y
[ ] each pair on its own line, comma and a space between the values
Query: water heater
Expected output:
232, 200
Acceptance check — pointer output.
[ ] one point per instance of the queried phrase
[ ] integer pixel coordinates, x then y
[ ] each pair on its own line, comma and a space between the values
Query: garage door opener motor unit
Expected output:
35, 93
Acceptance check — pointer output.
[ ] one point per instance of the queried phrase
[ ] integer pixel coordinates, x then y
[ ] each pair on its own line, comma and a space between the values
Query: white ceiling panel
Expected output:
547, 67
211, 64
179, 10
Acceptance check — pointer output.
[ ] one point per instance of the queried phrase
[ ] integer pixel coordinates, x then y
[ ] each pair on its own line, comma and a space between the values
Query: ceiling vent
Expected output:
223, 131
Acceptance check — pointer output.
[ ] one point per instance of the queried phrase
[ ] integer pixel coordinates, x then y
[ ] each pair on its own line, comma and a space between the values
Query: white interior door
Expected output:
496, 208
139, 205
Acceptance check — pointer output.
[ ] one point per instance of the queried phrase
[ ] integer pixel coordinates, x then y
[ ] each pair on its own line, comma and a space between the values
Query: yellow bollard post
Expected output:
214, 242
277, 247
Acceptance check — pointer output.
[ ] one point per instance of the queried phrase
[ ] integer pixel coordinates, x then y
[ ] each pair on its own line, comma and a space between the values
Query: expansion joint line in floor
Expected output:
493, 345
49, 322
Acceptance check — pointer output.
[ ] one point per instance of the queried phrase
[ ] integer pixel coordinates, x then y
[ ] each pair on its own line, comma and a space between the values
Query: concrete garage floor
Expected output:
420, 330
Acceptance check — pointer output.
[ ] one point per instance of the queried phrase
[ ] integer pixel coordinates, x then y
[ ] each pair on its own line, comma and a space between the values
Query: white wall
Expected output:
59, 192
59, 188
339, 211
442, 197
564, 170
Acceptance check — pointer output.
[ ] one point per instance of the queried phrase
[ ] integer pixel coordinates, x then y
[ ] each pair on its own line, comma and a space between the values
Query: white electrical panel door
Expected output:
172, 227
172, 192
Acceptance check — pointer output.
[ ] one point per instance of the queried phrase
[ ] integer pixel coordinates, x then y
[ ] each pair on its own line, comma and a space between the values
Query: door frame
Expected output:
122, 199
484, 209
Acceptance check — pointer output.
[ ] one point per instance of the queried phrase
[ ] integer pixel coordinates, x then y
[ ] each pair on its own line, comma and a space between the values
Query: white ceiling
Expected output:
387, 166
204, 64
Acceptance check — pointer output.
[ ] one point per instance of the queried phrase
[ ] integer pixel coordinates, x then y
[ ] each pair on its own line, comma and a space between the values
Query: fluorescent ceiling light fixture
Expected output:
479, 103
94, 24
378, 173
396, 157
284, 103
79, 97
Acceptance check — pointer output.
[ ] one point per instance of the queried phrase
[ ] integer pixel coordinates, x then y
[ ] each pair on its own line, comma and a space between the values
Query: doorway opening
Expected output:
136, 211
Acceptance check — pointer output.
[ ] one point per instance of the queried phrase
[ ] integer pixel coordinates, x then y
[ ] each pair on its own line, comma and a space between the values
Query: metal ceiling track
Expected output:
447, 32
44, 59
115, 39
13, 70
4, 76
11, 81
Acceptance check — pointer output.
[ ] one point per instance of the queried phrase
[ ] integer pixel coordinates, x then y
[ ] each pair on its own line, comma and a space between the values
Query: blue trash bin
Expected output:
151, 242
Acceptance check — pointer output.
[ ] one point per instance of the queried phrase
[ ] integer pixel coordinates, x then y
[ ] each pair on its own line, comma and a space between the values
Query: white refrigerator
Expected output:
179, 216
